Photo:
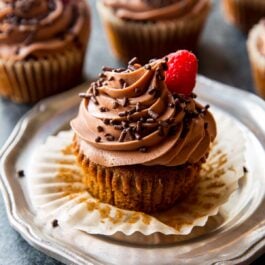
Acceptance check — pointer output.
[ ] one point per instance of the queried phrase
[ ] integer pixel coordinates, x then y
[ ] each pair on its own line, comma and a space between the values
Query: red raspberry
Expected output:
182, 71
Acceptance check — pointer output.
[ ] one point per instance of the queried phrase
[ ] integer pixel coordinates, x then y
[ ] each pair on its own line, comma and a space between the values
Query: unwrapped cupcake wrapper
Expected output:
244, 13
30, 80
151, 39
59, 196
257, 61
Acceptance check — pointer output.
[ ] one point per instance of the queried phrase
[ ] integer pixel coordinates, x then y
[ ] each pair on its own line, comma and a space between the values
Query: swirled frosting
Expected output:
35, 27
155, 9
130, 117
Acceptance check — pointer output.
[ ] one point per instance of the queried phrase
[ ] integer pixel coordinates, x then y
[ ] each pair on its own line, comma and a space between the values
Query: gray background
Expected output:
222, 56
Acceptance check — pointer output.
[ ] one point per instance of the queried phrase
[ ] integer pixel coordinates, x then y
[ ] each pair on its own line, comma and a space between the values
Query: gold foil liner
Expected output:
257, 60
58, 193
30, 80
244, 13
147, 40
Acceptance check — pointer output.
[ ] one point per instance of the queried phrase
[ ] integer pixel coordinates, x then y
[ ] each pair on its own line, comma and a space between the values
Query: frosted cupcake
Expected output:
42, 47
256, 51
244, 13
151, 29
140, 136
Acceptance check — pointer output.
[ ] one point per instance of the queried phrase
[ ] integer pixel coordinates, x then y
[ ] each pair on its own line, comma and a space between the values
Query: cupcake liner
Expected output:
57, 191
30, 80
152, 39
244, 13
257, 61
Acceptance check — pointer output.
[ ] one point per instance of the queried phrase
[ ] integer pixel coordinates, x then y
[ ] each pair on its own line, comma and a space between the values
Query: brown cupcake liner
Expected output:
244, 13
138, 188
257, 60
30, 80
151, 40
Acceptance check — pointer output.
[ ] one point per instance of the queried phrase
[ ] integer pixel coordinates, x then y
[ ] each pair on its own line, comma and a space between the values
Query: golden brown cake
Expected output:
139, 144
151, 29
244, 13
42, 47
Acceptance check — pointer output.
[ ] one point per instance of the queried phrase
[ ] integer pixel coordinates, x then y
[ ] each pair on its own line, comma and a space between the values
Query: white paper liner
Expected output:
57, 192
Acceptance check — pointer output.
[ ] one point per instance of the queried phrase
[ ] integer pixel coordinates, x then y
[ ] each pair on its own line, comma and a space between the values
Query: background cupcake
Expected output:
256, 51
150, 29
244, 13
140, 145
42, 47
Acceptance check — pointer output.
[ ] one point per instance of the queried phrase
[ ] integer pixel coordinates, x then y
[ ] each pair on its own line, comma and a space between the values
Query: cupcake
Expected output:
244, 13
151, 29
256, 51
140, 136
42, 47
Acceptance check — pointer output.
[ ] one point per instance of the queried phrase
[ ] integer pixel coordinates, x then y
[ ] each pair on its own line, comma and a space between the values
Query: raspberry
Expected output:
182, 71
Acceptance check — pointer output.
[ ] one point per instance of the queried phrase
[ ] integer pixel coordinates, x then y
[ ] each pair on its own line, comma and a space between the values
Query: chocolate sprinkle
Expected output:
152, 90
111, 78
132, 111
102, 75
124, 102
55, 223
129, 118
21, 173
98, 139
138, 106
160, 75
107, 69
109, 137
115, 104
118, 127
103, 109
122, 114
164, 66
245, 170
100, 129
193, 95
122, 135
94, 100
129, 132
106, 121
123, 83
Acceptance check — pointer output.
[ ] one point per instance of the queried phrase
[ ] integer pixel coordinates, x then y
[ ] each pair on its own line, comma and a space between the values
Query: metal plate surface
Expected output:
241, 239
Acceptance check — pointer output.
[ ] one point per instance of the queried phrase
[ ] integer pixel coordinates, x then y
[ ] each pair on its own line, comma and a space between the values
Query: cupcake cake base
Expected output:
153, 189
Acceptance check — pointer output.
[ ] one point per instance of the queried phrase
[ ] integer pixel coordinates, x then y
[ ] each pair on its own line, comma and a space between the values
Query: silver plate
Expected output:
240, 239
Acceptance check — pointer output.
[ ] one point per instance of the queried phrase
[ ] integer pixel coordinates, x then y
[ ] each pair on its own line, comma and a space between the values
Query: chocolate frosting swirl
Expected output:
155, 10
130, 117
33, 27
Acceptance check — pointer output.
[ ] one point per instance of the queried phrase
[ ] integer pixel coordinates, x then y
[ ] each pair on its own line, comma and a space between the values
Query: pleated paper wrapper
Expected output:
147, 40
31, 80
60, 198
